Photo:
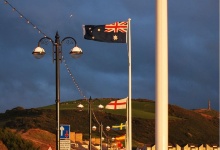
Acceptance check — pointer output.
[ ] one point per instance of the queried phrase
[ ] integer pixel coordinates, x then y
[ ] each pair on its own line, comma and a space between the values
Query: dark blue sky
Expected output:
102, 71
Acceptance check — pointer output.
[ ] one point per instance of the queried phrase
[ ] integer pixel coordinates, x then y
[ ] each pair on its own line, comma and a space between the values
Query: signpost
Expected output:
65, 137
65, 144
64, 131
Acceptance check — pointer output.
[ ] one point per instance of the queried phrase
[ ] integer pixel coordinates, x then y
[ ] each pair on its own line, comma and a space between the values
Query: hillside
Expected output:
185, 126
40, 138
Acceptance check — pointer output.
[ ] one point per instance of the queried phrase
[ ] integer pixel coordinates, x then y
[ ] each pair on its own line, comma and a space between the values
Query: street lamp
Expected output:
107, 129
100, 130
113, 145
57, 56
93, 128
80, 107
113, 139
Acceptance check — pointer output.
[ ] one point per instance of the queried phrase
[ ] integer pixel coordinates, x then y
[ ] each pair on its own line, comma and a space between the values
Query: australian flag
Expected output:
113, 33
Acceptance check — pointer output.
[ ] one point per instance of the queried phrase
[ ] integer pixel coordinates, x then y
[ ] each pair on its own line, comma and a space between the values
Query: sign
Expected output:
65, 145
64, 131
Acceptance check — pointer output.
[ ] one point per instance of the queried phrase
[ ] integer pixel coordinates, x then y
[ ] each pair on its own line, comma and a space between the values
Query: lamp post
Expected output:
107, 129
80, 107
90, 124
113, 143
57, 56
100, 130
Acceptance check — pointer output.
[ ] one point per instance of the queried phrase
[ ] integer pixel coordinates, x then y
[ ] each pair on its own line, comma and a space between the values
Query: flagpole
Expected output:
129, 89
126, 139
161, 90
103, 36
126, 135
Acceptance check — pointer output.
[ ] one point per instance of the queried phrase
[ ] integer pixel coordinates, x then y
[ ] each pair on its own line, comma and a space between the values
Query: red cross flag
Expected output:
118, 104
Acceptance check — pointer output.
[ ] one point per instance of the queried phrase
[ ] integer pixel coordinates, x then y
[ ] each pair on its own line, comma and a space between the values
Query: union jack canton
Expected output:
117, 27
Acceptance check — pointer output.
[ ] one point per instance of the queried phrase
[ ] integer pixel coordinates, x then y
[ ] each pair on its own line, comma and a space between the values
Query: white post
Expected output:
129, 97
161, 137
127, 134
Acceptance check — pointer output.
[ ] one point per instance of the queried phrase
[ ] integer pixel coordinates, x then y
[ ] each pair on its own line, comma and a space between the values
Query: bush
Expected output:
14, 142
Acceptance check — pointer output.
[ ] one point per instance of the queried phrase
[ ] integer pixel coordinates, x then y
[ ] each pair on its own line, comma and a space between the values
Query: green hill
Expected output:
185, 126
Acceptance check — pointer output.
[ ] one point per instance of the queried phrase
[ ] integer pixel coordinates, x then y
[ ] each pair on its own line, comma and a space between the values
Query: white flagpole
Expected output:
161, 128
126, 136
126, 139
129, 88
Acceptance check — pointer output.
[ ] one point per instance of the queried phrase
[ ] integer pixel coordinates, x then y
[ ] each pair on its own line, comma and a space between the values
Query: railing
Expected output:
186, 147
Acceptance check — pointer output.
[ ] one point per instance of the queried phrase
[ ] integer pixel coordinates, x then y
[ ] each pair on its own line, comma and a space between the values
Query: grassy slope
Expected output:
185, 126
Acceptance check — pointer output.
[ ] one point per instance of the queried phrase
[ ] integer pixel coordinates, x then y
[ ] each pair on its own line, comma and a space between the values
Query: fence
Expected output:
186, 147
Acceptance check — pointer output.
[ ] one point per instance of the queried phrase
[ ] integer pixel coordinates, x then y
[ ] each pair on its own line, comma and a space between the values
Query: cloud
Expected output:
102, 71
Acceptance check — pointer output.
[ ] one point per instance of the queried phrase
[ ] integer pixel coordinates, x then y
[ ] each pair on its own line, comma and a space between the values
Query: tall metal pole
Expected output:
129, 143
107, 140
57, 43
101, 130
90, 124
39, 53
161, 75
108, 129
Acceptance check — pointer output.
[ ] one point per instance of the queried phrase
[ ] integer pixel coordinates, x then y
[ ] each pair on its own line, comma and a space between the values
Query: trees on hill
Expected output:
14, 141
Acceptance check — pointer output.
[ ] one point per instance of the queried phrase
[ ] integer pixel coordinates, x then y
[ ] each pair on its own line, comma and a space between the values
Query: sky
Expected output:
102, 70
